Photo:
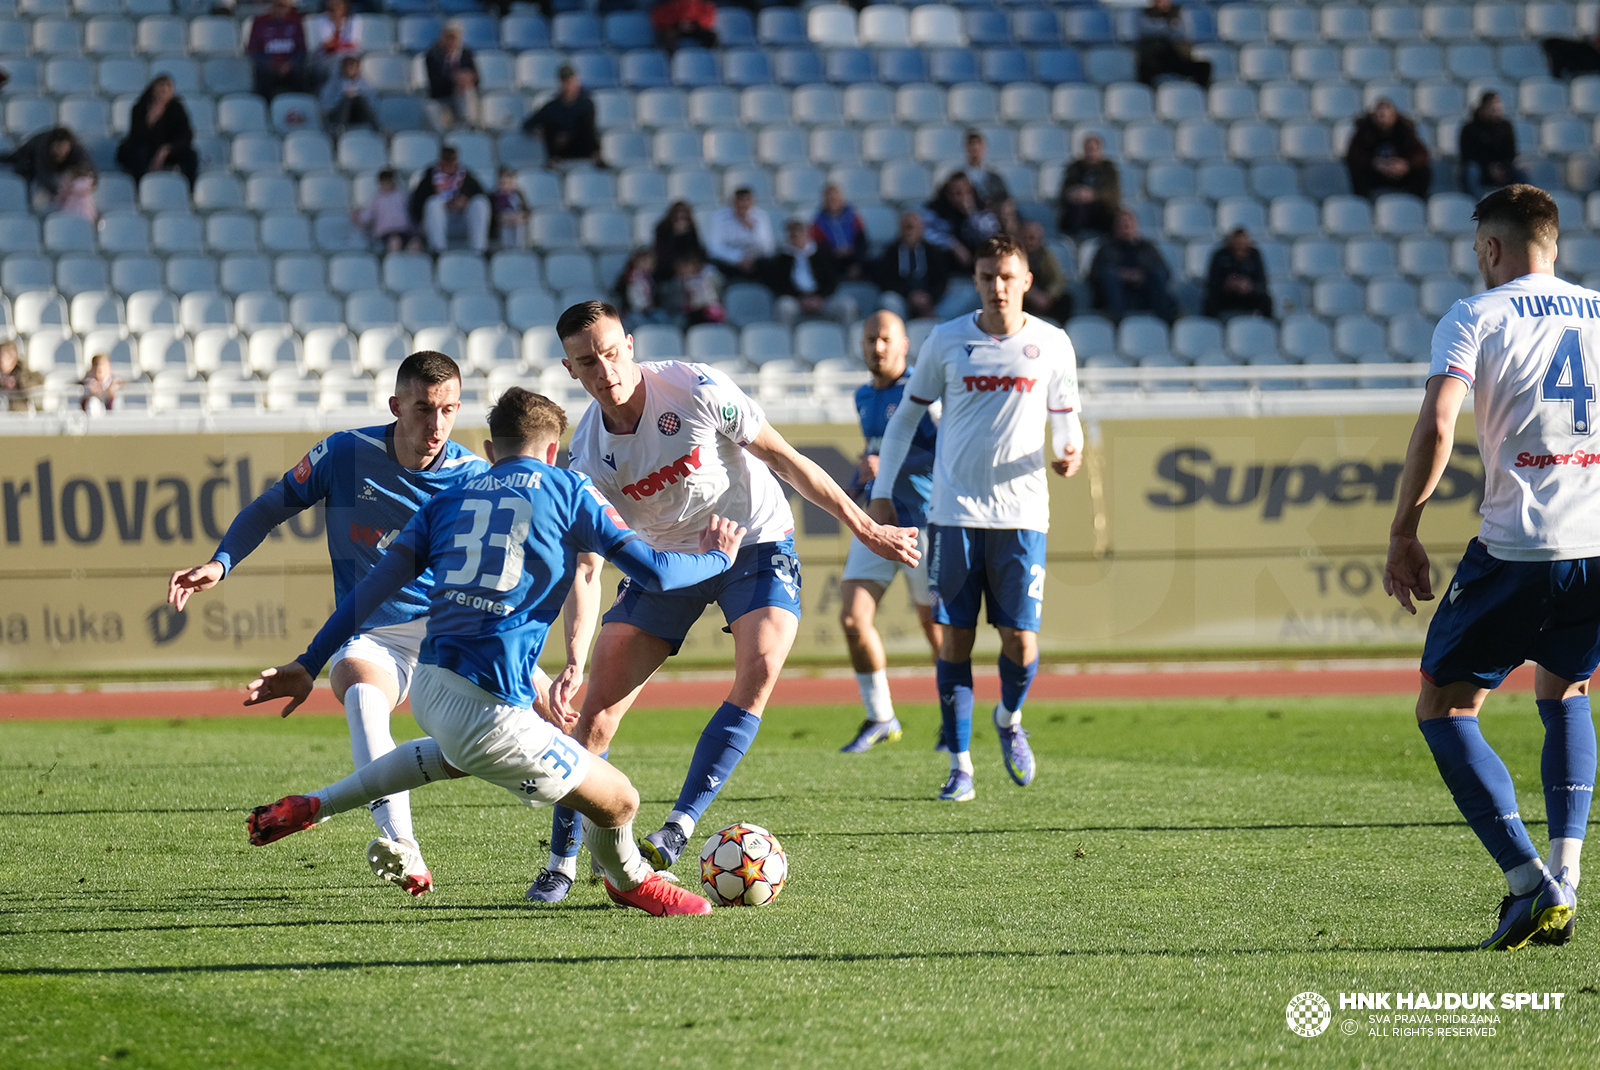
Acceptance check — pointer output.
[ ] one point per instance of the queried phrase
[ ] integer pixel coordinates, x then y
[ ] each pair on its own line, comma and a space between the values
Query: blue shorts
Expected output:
1001, 567
766, 574
1498, 614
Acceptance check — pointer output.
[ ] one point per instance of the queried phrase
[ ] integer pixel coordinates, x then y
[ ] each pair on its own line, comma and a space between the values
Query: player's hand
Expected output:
892, 543
1406, 575
188, 581
881, 510
563, 694
289, 681
1068, 466
720, 534
867, 470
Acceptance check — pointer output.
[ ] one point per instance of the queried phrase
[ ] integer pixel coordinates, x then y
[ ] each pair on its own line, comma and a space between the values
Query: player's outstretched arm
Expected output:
664, 570
290, 681
190, 581
817, 487
578, 617
1405, 575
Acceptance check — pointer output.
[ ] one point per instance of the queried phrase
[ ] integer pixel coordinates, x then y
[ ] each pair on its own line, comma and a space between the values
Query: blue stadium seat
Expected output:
575, 29
518, 33
1039, 26
735, 28
902, 66
1004, 66
798, 66
418, 32
695, 67
849, 66
746, 66
1087, 25
949, 66
1054, 66
987, 26
597, 70
782, 26
629, 29
645, 69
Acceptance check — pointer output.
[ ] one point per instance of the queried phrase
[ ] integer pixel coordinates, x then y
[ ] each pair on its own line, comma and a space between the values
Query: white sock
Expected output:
875, 695
961, 763
564, 864
1004, 718
366, 711
617, 854
397, 771
1564, 851
1526, 877
683, 821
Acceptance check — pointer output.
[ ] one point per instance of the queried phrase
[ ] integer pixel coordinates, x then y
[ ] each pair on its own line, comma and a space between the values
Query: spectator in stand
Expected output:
698, 289
803, 280
334, 36
987, 186
160, 137
1091, 192
50, 160
1005, 214
1048, 295
448, 197
510, 210
452, 80
1163, 49
100, 387
1487, 149
1568, 57
912, 273
16, 379
277, 48
1129, 275
1236, 282
840, 234
1386, 154
387, 217
566, 123
77, 194
677, 238
954, 221
740, 235
679, 22
347, 99
635, 290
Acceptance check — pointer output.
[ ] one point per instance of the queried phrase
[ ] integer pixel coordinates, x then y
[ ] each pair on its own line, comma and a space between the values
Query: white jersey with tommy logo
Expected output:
989, 466
685, 460
1530, 350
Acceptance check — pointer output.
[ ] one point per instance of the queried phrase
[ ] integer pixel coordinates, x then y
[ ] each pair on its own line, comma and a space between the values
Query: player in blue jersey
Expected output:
502, 549
371, 481
1528, 588
866, 575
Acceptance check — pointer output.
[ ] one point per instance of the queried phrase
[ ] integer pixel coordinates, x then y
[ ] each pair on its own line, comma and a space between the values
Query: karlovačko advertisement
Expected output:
1176, 535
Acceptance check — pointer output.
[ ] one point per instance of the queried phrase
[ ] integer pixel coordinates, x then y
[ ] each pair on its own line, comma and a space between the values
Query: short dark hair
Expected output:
743, 191
583, 315
1000, 245
521, 417
386, 175
428, 368
1527, 211
448, 153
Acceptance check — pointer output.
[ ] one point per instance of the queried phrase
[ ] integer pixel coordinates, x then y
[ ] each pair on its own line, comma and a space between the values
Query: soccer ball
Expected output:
743, 866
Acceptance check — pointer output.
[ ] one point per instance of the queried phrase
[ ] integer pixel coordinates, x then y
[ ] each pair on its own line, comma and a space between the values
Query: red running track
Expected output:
1140, 682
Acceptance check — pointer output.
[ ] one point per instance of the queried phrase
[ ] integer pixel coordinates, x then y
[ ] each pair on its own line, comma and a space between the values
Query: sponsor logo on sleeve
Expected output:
730, 418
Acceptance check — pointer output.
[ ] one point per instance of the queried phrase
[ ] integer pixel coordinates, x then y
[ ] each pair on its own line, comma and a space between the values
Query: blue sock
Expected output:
1014, 682
566, 832
955, 703
1482, 787
1567, 765
724, 741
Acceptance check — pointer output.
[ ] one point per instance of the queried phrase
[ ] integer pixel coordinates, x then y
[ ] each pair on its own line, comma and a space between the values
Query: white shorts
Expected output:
393, 648
506, 745
862, 564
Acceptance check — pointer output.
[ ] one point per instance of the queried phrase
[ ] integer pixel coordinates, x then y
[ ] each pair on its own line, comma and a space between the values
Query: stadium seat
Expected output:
1313, 63
1228, 102
523, 32
1315, 258
1418, 62
1370, 257
146, 310
1236, 212
781, 27
746, 67
95, 309
308, 311
162, 348
198, 311
133, 272
848, 66
1164, 181
1263, 63
218, 349
695, 67
831, 26
798, 66
368, 309
1305, 338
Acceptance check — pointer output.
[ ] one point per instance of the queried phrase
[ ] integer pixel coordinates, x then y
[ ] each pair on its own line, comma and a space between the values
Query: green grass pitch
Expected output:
1176, 874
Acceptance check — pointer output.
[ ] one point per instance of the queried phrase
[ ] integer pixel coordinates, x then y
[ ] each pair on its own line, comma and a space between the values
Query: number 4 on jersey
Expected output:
1566, 381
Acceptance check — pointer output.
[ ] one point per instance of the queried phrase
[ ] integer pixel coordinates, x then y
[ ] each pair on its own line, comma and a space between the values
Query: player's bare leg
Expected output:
369, 694
858, 620
761, 642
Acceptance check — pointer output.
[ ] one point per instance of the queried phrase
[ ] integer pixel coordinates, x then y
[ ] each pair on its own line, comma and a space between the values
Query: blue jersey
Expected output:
502, 549
370, 496
915, 484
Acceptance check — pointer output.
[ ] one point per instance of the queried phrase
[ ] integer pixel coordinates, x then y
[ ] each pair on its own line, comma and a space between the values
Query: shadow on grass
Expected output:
798, 957
1264, 827
479, 913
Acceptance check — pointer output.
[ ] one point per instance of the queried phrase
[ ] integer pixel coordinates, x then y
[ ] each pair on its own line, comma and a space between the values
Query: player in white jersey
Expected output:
1000, 373
669, 444
1528, 587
